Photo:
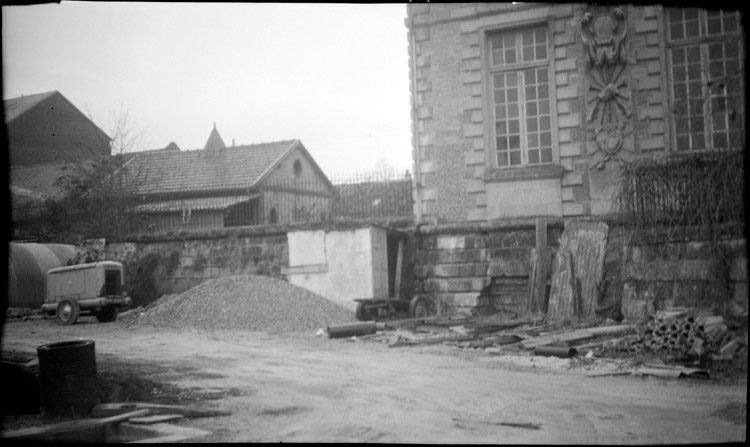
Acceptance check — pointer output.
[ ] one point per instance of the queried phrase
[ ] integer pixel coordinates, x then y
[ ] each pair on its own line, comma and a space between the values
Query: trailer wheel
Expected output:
419, 307
68, 312
107, 315
361, 313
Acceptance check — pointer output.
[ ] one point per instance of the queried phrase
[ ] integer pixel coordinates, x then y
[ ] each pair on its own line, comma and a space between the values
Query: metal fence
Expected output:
694, 189
361, 196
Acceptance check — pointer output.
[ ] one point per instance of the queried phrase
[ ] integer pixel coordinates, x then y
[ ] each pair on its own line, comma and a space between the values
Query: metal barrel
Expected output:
67, 375
352, 329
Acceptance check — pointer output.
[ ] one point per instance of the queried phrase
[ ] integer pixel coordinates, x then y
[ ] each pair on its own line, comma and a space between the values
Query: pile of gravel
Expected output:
255, 303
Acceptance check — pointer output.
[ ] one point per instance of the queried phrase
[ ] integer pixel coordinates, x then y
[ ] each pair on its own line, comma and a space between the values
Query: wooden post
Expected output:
541, 263
399, 267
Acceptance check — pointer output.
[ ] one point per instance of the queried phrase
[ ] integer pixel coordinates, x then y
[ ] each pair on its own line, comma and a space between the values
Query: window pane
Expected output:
501, 128
543, 91
509, 40
512, 95
544, 123
499, 80
533, 156
502, 143
529, 76
543, 107
691, 13
514, 142
530, 93
533, 140
513, 127
735, 140
499, 112
730, 22
698, 140
692, 29
547, 155
714, 25
545, 139
515, 158
502, 159
527, 37
683, 143
513, 110
541, 35
678, 56
715, 51
528, 53
676, 31
510, 56
512, 79
531, 108
500, 96
720, 140
541, 52
531, 125
541, 75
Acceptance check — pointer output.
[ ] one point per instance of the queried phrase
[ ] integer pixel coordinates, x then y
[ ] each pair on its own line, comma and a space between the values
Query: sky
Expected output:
334, 76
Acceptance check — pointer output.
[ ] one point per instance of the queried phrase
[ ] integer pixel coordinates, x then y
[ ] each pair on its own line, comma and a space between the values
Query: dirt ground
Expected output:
299, 387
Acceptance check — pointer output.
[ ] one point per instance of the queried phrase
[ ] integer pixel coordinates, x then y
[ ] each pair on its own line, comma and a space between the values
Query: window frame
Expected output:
702, 41
488, 100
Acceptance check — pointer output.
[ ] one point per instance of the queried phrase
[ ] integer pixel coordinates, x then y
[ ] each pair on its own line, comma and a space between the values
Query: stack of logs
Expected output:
683, 332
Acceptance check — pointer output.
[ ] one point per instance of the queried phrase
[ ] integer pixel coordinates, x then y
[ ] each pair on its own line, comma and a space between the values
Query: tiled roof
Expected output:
160, 171
16, 107
203, 203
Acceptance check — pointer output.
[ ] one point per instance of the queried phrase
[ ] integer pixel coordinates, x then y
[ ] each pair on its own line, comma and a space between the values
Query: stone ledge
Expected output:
527, 173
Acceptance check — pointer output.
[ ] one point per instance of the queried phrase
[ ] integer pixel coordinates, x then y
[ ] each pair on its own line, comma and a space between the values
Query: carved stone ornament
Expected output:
603, 34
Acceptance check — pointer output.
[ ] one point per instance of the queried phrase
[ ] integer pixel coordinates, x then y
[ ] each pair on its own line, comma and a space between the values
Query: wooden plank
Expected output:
541, 263
579, 270
531, 303
117, 408
399, 267
71, 426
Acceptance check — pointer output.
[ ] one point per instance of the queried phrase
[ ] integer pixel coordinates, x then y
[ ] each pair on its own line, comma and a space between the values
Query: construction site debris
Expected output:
72, 426
556, 351
351, 329
113, 409
256, 303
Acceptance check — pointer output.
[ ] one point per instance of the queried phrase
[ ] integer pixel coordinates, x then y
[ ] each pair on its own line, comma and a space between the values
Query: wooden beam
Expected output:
300, 269
541, 263
399, 266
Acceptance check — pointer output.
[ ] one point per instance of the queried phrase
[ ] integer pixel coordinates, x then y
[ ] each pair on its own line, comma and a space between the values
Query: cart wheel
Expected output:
68, 311
419, 307
361, 313
107, 315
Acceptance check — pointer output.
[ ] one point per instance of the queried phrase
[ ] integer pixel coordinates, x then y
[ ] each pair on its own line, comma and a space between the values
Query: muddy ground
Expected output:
299, 387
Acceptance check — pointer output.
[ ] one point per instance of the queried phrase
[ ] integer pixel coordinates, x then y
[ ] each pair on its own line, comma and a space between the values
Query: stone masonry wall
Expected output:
454, 265
448, 98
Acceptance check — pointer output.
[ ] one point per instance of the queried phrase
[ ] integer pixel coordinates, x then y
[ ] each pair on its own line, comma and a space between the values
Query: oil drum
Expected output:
67, 375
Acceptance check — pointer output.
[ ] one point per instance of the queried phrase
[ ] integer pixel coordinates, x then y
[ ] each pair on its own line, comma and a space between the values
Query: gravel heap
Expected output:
255, 303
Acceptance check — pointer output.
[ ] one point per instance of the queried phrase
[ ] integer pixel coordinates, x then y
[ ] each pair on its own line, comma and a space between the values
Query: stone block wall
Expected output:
484, 266
644, 279
170, 265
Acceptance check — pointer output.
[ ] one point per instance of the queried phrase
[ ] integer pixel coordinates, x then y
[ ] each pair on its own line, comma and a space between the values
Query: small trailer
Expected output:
86, 289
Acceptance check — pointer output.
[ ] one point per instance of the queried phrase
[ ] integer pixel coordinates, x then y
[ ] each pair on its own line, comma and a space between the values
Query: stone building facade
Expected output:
528, 109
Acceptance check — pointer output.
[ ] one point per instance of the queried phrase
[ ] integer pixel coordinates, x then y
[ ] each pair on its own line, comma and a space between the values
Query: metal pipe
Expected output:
351, 329
556, 351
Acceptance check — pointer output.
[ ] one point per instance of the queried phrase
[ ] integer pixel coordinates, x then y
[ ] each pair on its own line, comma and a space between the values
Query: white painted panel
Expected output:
306, 247
524, 198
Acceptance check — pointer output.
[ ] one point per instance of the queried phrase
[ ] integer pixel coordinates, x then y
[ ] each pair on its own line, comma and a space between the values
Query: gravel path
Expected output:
257, 303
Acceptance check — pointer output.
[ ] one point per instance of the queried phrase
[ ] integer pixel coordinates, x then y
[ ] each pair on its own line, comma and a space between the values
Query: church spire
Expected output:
214, 143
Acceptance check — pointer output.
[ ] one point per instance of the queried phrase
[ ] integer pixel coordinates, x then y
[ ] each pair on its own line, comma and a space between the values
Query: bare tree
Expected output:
99, 187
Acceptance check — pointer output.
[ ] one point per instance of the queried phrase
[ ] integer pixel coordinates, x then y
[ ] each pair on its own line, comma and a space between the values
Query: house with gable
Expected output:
44, 132
226, 186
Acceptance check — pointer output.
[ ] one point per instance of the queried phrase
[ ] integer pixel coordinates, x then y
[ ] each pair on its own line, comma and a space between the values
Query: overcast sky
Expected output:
334, 76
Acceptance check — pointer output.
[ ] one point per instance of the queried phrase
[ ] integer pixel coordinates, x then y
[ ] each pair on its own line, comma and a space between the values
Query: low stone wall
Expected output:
480, 265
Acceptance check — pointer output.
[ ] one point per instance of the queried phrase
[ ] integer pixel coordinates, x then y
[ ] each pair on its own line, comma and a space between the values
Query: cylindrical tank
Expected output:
27, 271
67, 375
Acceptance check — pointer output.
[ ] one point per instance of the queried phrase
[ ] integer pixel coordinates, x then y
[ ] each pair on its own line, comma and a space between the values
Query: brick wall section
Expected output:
448, 119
